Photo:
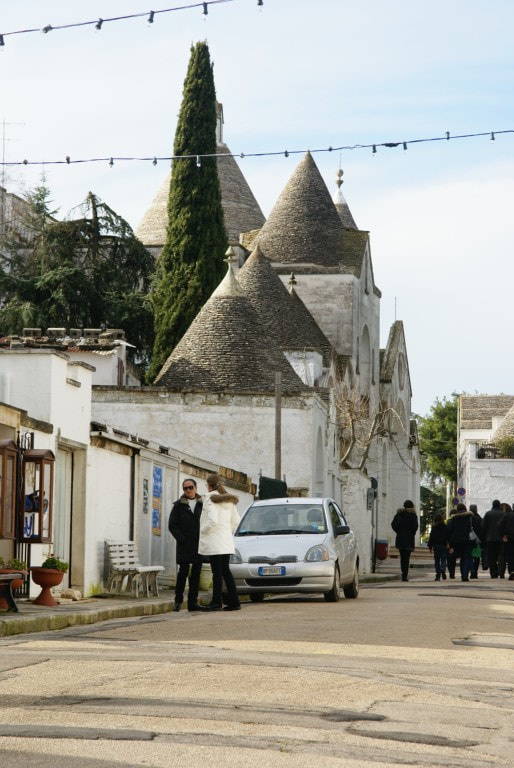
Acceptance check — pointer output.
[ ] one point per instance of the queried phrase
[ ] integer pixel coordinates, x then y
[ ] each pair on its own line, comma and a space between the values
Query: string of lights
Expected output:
68, 160
98, 23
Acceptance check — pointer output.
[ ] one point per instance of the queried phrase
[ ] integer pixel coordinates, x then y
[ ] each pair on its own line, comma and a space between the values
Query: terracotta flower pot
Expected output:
46, 578
16, 584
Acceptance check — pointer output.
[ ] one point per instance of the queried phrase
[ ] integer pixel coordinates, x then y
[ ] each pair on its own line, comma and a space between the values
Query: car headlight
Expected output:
236, 557
316, 554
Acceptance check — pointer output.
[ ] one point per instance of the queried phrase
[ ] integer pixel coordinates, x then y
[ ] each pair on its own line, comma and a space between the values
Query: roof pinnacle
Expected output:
292, 282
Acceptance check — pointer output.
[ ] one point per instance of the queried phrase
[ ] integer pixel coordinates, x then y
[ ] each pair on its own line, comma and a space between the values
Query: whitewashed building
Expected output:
486, 449
108, 484
304, 303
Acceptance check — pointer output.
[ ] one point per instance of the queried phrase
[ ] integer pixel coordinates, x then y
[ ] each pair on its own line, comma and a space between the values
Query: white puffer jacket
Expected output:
219, 518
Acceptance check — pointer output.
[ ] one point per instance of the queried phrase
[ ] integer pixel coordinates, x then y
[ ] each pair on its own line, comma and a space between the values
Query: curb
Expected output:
17, 624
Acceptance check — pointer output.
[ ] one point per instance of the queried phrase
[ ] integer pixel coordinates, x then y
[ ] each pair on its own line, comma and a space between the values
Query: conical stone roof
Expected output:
241, 211
506, 428
304, 226
227, 349
284, 315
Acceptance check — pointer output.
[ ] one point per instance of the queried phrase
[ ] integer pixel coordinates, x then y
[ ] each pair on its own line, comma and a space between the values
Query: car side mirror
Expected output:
341, 530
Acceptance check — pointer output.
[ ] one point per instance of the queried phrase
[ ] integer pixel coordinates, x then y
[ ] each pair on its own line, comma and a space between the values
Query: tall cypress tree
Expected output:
191, 263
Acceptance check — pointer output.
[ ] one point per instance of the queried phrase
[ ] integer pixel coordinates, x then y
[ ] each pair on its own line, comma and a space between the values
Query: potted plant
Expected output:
12, 566
47, 575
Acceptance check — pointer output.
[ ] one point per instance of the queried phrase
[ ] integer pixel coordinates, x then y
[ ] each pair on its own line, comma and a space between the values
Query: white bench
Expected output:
126, 572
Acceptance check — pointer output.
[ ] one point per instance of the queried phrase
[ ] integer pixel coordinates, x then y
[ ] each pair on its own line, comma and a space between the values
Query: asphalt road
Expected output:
417, 674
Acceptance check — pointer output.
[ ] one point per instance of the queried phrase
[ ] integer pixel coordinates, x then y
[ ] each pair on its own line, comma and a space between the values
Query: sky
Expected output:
296, 75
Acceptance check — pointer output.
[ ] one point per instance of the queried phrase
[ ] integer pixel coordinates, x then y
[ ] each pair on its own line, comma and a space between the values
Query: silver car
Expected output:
295, 545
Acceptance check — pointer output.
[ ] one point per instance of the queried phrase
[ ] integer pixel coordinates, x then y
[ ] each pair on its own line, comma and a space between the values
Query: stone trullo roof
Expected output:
304, 226
478, 411
284, 314
241, 210
227, 349
506, 428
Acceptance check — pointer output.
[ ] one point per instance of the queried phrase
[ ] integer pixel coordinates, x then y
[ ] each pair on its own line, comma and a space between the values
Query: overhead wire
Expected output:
198, 157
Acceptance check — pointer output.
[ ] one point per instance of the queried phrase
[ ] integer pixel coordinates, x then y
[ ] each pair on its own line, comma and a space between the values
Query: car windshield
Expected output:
282, 519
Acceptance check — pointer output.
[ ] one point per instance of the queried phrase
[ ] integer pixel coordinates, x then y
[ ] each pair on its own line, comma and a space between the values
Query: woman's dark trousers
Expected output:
220, 565
440, 559
194, 582
404, 562
463, 552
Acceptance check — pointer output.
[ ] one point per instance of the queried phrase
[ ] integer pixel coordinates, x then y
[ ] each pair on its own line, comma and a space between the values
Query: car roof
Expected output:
308, 501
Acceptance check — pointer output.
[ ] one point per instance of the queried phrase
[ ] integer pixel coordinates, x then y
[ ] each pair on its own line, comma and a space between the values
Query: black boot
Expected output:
176, 607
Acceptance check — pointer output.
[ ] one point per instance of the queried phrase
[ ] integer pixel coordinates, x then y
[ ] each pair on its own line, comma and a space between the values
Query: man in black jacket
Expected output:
493, 538
184, 526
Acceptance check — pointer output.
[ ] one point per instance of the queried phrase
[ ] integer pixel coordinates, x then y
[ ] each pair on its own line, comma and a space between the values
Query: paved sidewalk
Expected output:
38, 618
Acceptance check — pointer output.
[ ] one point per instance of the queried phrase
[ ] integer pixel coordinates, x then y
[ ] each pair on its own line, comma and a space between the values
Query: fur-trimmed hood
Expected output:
406, 510
184, 500
466, 513
220, 498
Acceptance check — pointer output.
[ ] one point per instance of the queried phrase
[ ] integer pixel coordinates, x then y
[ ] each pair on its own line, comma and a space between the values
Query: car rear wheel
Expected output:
256, 597
352, 590
335, 593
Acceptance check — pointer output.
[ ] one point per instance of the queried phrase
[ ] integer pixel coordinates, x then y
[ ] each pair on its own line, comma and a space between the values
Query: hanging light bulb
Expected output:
154, 161
286, 153
205, 9
2, 40
47, 29
447, 135
405, 145
111, 163
150, 17
374, 149
98, 24
198, 162
260, 3
493, 137
68, 160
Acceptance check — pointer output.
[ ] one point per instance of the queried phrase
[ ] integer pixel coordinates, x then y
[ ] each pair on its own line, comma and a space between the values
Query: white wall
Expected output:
233, 431
359, 518
50, 388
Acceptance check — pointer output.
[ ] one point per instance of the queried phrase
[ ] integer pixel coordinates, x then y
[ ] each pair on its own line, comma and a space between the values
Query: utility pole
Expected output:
5, 124
278, 424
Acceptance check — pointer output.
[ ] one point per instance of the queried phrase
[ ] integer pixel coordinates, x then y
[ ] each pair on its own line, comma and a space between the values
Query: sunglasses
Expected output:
188, 487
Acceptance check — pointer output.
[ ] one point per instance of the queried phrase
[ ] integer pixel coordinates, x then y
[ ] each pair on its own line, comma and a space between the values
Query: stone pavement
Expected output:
38, 618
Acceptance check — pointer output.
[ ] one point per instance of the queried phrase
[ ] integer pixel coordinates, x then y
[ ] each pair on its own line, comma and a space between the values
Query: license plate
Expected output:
272, 570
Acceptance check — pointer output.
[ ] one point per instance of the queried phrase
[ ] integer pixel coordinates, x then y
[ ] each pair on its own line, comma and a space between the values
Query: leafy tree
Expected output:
432, 502
438, 440
191, 263
89, 271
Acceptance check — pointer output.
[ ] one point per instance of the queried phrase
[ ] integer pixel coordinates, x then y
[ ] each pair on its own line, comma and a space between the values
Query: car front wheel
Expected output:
256, 597
352, 590
335, 593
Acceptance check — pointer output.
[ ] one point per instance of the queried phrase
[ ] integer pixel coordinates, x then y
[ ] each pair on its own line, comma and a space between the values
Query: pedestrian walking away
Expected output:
219, 519
476, 552
506, 531
438, 543
451, 557
493, 539
462, 537
184, 526
405, 525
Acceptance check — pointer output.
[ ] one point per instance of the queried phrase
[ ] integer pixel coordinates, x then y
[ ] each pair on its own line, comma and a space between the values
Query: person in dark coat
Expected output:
492, 537
506, 530
405, 525
184, 526
476, 552
438, 542
462, 536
